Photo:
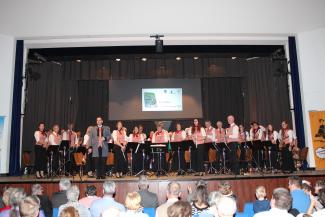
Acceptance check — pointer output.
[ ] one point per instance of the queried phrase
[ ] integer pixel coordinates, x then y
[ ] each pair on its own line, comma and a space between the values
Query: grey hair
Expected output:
143, 182
37, 189
174, 188
226, 206
16, 196
214, 198
282, 198
73, 193
64, 184
109, 187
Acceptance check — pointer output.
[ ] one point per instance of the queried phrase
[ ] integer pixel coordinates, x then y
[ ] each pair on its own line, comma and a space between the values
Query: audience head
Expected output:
69, 212
132, 201
295, 182
319, 185
201, 195
214, 198
306, 188
91, 190
281, 199
73, 193
109, 188
37, 189
225, 188
260, 192
29, 207
64, 184
16, 196
143, 182
201, 182
173, 190
180, 209
6, 196
226, 207
110, 212
321, 196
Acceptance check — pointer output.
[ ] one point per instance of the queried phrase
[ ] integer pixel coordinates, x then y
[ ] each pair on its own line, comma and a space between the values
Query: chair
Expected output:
55, 212
212, 153
110, 162
27, 163
80, 162
151, 212
248, 209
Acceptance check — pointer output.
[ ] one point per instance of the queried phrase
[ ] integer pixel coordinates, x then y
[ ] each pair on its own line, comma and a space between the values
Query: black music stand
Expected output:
140, 147
223, 168
51, 149
177, 147
159, 149
212, 145
64, 146
188, 145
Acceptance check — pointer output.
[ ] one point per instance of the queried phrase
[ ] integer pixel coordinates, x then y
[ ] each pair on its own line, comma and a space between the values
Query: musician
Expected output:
54, 143
220, 133
178, 136
232, 139
41, 143
120, 141
69, 136
256, 136
89, 154
161, 135
286, 143
243, 137
139, 137
142, 133
271, 138
198, 154
99, 136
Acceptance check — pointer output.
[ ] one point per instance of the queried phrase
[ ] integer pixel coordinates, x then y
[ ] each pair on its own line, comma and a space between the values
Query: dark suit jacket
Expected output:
94, 140
148, 199
46, 205
59, 198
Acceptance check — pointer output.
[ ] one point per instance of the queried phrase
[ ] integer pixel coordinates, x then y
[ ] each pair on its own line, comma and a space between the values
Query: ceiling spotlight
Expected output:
233, 58
159, 44
78, 61
144, 59
196, 58
178, 58
117, 59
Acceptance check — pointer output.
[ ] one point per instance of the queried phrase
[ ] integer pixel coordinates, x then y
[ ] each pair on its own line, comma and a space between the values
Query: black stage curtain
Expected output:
78, 92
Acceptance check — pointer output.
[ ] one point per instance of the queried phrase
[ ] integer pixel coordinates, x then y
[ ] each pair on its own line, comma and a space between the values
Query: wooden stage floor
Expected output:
243, 185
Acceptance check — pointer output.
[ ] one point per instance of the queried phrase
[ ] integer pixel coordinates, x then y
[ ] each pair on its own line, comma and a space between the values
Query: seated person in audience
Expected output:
15, 197
227, 207
261, 203
46, 204
133, 206
225, 189
300, 200
29, 207
72, 196
321, 199
200, 200
98, 206
191, 193
5, 199
173, 194
148, 199
59, 198
111, 212
307, 188
90, 196
320, 184
280, 204
213, 200
69, 212
180, 209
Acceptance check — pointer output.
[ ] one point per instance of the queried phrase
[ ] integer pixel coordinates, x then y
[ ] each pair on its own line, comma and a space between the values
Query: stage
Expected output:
243, 185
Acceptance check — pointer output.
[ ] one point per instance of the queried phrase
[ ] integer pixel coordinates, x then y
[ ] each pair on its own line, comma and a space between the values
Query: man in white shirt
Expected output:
232, 137
280, 204
173, 194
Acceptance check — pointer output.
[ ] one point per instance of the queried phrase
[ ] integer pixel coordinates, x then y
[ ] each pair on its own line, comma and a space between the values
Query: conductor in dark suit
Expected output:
99, 136
148, 199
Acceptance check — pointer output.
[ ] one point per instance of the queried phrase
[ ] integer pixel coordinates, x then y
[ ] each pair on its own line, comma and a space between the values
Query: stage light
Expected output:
178, 58
117, 59
144, 59
196, 58
233, 58
159, 44
78, 61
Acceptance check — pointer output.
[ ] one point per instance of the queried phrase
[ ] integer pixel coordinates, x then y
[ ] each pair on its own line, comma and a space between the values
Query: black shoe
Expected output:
98, 177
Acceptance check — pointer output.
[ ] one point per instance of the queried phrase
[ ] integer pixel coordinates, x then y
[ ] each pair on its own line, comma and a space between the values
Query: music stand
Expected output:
139, 147
51, 149
212, 145
177, 147
159, 149
64, 146
189, 144
223, 147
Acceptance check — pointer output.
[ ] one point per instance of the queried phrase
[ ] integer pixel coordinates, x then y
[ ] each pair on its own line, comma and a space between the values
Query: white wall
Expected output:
311, 47
7, 49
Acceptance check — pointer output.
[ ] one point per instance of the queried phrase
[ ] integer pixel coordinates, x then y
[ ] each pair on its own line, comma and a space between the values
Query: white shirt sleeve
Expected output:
183, 135
114, 136
51, 139
203, 133
86, 139
37, 136
260, 134
290, 134
235, 132
275, 135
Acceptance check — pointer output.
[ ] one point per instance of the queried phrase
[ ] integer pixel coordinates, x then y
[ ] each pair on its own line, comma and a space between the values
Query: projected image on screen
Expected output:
162, 99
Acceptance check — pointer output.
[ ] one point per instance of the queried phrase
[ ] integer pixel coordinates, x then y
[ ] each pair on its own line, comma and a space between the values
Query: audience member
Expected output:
5, 199
148, 199
46, 204
200, 200
213, 201
300, 200
98, 206
173, 194
72, 196
91, 196
191, 192
111, 212
179, 209
30, 206
320, 184
225, 189
133, 206
15, 197
227, 207
321, 199
69, 212
280, 204
308, 189
60, 198
261, 203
